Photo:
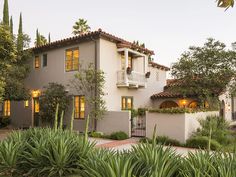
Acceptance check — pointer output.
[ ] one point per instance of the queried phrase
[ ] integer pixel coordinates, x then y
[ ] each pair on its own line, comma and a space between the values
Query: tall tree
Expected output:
49, 38
40, 39
206, 71
90, 82
6, 13
81, 27
11, 26
20, 36
7, 57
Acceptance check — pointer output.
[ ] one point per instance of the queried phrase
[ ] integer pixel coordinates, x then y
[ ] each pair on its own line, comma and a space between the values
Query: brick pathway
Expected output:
117, 143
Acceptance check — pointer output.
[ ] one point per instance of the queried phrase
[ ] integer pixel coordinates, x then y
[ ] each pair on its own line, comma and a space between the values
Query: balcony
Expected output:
132, 80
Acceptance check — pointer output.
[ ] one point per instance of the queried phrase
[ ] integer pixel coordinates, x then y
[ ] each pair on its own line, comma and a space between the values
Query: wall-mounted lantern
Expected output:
35, 93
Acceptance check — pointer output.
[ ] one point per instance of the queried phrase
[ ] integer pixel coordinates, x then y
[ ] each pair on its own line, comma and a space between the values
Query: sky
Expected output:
167, 27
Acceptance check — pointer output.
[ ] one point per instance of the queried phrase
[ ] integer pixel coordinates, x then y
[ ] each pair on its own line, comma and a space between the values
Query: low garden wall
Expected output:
179, 126
114, 121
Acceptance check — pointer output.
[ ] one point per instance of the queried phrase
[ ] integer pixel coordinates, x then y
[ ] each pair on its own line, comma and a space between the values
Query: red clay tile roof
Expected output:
156, 65
166, 94
90, 36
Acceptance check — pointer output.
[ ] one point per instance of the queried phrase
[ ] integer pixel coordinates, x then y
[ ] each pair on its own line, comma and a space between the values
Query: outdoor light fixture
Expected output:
35, 93
183, 102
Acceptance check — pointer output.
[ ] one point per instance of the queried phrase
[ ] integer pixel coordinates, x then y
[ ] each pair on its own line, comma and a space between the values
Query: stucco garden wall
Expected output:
175, 126
114, 121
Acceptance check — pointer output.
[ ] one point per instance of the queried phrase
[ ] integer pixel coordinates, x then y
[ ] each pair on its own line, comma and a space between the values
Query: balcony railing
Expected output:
135, 79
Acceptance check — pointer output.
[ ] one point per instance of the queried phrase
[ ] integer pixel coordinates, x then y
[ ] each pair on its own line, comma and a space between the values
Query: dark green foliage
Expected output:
81, 27
180, 110
11, 26
52, 95
220, 129
4, 121
40, 39
20, 39
202, 142
205, 71
6, 13
119, 136
162, 140
96, 134
142, 111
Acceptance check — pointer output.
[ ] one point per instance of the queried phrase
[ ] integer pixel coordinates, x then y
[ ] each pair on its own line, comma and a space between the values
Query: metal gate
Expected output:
138, 126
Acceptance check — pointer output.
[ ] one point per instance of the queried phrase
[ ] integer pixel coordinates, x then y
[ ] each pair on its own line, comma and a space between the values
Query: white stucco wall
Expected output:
110, 64
115, 121
175, 126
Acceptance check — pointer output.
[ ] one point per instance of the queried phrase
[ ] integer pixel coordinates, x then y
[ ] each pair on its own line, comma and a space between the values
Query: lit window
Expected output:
36, 105
79, 107
45, 60
130, 63
72, 60
7, 108
36, 62
26, 103
127, 103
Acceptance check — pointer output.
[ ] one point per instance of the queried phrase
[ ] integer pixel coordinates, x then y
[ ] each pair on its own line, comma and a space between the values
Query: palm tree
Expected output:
225, 3
81, 27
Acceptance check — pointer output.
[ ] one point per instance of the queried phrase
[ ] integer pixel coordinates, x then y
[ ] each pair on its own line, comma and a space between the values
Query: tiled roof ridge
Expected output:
98, 32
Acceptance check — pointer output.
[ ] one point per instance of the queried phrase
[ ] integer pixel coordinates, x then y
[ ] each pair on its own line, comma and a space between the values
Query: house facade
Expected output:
130, 77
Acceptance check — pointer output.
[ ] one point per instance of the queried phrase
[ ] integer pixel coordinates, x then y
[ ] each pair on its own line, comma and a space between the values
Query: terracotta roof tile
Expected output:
159, 66
96, 34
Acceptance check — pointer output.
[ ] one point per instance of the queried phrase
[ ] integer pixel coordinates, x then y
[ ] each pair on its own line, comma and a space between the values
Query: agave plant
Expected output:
10, 150
155, 161
108, 164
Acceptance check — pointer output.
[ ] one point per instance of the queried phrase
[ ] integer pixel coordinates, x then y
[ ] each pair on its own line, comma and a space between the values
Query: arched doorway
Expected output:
222, 109
193, 104
168, 104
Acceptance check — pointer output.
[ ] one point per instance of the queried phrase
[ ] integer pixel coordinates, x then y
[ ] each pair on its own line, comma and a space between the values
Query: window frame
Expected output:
72, 60
45, 56
38, 66
79, 107
126, 105
7, 108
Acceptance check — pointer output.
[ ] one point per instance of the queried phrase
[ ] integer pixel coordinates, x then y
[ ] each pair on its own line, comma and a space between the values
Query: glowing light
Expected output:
35, 93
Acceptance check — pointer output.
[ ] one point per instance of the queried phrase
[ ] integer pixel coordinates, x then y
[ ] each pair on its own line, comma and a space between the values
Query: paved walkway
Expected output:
127, 145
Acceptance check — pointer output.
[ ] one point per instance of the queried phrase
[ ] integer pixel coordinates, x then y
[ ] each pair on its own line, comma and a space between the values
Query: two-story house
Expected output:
58, 62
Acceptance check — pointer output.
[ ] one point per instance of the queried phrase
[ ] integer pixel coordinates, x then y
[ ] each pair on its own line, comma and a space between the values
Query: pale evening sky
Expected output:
167, 27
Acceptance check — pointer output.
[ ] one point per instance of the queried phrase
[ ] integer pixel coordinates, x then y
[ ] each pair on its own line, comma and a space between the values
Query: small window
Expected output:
45, 60
79, 107
36, 105
127, 103
7, 108
72, 60
36, 62
26, 103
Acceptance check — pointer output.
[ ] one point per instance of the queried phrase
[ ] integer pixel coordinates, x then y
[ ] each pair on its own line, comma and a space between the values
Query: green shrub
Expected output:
202, 142
165, 140
97, 134
220, 129
119, 136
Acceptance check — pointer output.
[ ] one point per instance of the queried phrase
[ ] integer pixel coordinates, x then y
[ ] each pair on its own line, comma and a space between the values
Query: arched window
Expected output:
193, 104
168, 104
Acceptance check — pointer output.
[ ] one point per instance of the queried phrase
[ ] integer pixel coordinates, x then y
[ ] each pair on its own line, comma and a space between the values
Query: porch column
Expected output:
126, 64
144, 64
